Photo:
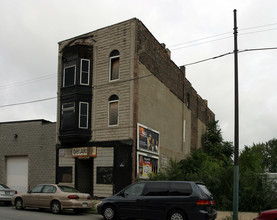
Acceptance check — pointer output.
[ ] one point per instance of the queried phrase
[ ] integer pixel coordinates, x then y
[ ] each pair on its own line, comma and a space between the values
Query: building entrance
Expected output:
84, 175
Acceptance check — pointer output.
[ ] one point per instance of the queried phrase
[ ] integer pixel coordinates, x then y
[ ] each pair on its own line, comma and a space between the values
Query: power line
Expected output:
229, 53
217, 35
93, 86
23, 103
14, 84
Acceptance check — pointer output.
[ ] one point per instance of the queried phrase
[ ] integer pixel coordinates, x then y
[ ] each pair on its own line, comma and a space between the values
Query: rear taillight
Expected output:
205, 202
73, 197
89, 197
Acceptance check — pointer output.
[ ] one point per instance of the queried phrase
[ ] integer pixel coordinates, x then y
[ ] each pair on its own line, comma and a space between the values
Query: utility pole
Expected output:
236, 138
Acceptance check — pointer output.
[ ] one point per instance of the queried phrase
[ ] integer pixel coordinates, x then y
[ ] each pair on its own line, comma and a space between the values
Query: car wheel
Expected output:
176, 215
109, 213
18, 203
56, 207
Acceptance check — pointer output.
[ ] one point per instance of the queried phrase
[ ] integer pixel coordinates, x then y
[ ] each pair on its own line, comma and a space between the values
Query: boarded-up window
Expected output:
68, 115
65, 175
104, 175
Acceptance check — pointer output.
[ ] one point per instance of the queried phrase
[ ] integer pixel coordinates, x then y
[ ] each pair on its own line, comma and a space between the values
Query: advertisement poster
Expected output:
148, 140
147, 165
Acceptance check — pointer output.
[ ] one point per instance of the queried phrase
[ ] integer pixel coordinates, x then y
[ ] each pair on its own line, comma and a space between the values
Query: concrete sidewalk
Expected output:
242, 215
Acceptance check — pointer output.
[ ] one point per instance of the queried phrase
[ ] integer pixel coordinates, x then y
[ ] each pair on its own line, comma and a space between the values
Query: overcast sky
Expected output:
192, 29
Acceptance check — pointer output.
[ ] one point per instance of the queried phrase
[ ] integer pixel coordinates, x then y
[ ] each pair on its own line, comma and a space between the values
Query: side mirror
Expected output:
29, 191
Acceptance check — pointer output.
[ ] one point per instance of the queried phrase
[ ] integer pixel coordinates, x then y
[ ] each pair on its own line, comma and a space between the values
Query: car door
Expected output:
129, 201
46, 196
154, 200
31, 198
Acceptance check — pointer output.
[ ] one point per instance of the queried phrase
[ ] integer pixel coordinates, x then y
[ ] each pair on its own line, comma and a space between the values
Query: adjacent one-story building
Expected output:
27, 153
124, 109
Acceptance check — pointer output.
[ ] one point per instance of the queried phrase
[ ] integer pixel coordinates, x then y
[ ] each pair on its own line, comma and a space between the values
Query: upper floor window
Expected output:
84, 71
69, 75
67, 116
113, 110
188, 100
83, 115
114, 65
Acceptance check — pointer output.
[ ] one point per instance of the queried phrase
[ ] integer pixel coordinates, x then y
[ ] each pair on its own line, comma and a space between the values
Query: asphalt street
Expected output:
10, 213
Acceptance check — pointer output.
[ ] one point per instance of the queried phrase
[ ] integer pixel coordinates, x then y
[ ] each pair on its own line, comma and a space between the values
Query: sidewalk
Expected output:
242, 215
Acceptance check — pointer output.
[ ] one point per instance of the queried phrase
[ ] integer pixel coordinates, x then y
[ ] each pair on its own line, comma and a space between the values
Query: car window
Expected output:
204, 190
68, 189
156, 189
3, 186
134, 190
180, 189
49, 189
37, 189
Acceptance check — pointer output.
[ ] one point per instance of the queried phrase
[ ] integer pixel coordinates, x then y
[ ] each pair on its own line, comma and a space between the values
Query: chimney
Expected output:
166, 49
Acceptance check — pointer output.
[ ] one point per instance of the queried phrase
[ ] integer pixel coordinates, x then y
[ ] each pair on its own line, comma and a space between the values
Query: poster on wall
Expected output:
148, 140
147, 165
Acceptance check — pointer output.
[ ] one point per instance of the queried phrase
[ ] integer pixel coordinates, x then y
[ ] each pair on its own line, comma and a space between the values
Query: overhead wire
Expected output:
176, 45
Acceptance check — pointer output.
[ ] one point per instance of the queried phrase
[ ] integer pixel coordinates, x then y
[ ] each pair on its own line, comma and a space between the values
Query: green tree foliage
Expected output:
255, 184
213, 165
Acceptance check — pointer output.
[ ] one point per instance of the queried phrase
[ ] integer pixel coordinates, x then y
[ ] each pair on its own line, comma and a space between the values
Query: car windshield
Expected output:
68, 189
3, 186
204, 189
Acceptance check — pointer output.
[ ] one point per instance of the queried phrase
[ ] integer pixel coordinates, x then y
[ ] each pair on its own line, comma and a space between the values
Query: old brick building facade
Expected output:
28, 153
124, 109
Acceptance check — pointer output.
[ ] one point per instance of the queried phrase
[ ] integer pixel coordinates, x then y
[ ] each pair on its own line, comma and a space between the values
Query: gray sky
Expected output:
31, 30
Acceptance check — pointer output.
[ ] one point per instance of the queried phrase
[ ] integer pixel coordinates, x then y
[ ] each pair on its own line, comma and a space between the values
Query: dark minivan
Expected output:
168, 200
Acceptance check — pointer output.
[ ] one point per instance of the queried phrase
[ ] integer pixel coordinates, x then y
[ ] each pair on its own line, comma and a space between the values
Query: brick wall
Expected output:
35, 139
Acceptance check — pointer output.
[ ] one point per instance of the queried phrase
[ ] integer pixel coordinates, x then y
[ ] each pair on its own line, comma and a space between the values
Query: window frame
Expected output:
66, 67
110, 67
109, 103
81, 71
87, 116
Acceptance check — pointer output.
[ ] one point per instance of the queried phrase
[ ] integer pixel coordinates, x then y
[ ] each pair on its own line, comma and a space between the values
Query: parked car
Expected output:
54, 197
6, 194
267, 215
171, 200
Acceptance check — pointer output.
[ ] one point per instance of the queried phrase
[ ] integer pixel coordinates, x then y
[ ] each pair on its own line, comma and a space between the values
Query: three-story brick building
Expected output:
124, 109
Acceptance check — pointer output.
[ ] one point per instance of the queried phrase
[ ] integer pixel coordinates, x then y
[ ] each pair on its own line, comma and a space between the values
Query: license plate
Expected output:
85, 205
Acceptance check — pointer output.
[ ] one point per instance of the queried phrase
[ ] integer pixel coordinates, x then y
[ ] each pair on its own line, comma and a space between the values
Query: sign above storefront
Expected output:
84, 152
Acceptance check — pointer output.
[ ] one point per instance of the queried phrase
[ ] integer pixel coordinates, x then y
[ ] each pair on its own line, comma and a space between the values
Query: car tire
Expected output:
18, 203
109, 212
56, 207
176, 215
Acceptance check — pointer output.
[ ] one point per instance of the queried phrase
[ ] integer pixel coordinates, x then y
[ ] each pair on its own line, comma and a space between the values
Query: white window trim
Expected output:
81, 72
110, 68
79, 124
109, 113
74, 74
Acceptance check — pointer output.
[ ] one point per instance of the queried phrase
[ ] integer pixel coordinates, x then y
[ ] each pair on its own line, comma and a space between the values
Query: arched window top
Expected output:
113, 98
114, 53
